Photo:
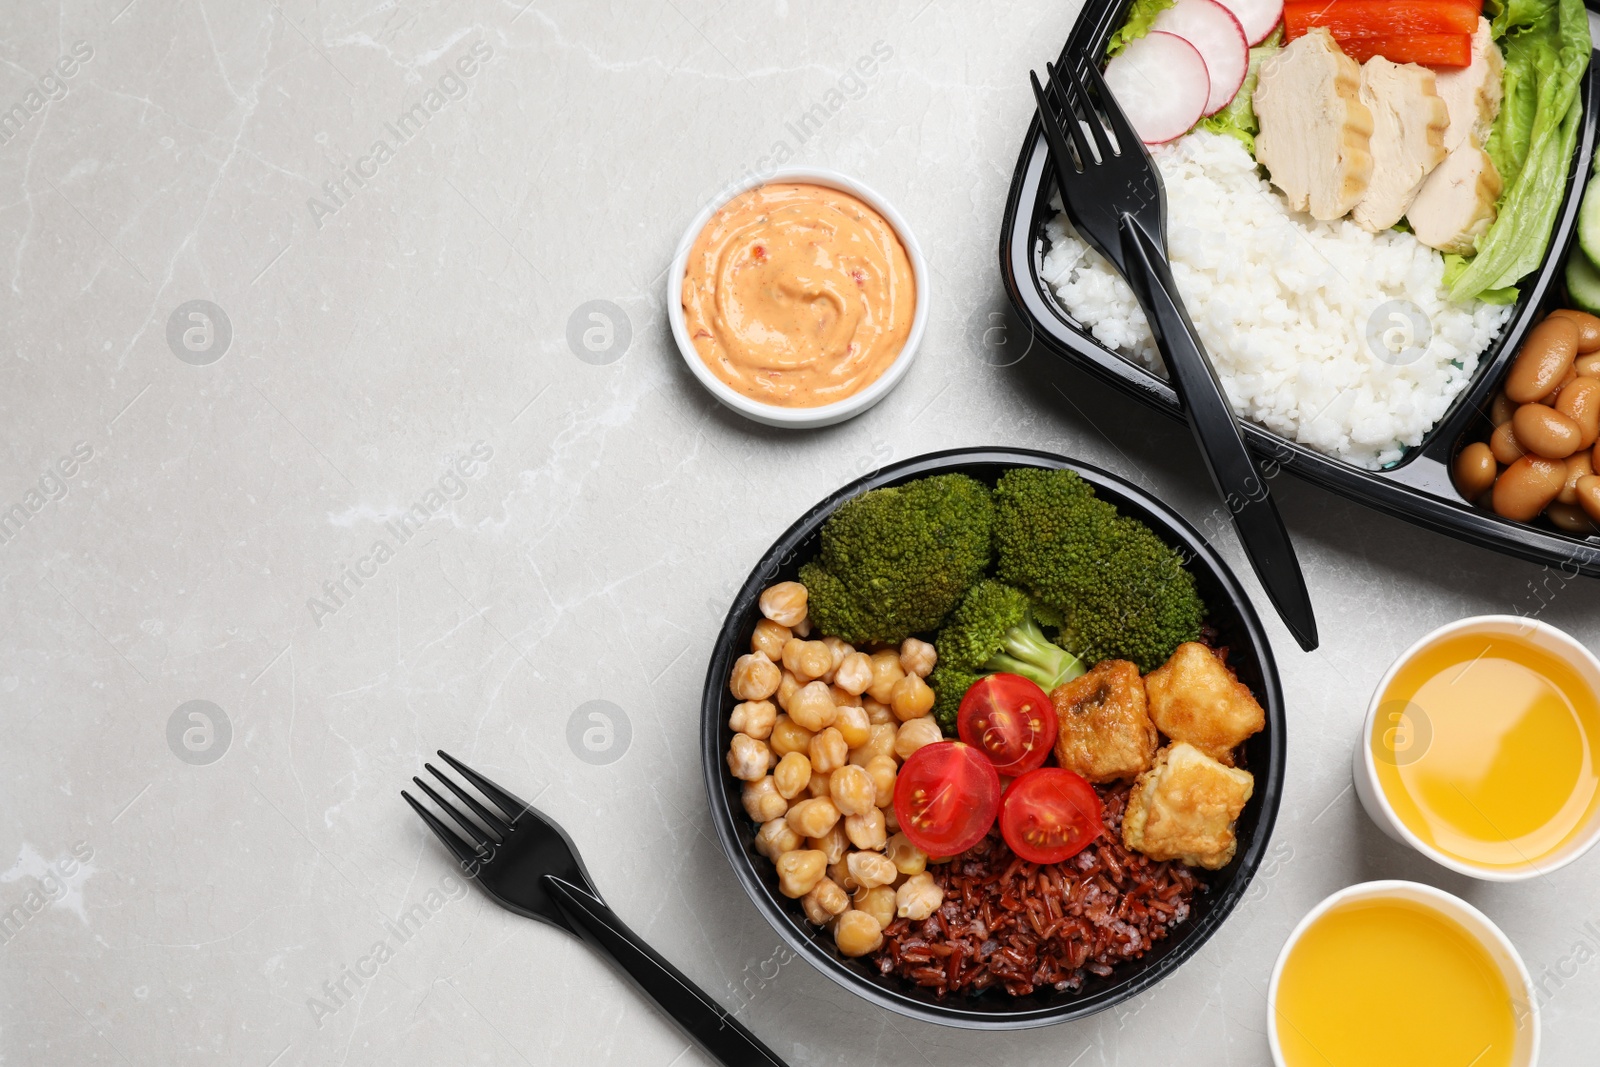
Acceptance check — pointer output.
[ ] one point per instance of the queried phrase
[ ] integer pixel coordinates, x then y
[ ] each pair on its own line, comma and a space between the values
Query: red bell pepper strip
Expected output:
1429, 49
1380, 18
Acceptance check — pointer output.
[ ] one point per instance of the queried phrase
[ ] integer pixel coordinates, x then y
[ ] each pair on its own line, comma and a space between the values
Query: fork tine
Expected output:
451, 839
513, 808
1127, 138
492, 820
1054, 134
473, 830
1073, 90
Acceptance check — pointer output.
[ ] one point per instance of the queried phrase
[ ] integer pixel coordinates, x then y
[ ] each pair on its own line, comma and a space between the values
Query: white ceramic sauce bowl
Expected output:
1524, 1003
1370, 790
826, 414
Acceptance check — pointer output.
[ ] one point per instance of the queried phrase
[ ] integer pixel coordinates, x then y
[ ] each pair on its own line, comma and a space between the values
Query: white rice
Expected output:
1296, 314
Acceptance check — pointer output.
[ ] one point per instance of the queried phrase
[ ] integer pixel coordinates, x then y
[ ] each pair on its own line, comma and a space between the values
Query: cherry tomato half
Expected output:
1011, 719
946, 797
1049, 815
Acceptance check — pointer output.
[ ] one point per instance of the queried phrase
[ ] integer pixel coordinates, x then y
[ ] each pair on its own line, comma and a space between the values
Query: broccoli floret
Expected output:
993, 629
1120, 591
894, 561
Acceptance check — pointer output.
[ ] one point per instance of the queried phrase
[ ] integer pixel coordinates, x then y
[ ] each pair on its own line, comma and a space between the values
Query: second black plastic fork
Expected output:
1113, 195
528, 865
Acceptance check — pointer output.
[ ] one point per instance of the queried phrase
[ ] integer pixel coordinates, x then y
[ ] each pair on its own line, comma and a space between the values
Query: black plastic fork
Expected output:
1113, 194
528, 865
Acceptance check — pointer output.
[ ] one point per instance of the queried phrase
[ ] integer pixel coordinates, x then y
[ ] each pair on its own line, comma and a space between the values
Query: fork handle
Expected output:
702, 1018
1233, 471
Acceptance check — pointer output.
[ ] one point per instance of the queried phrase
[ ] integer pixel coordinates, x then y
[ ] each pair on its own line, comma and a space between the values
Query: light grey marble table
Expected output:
186, 884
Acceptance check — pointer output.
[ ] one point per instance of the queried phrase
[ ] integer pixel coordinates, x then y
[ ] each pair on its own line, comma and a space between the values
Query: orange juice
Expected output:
1390, 983
1485, 747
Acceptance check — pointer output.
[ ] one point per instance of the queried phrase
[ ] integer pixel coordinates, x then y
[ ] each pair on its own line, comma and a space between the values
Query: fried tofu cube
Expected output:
1105, 731
1184, 808
1194, 697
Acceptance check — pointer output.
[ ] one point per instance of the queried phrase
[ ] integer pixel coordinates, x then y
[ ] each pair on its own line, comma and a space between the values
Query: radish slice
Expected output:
1219, 39
1258, 17
1161, 84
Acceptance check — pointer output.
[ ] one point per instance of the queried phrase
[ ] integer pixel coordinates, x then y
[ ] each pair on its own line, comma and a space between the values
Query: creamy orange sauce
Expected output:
798, 295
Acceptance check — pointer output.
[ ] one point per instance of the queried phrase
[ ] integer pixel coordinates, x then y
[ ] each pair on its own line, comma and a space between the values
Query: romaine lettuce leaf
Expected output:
1141, 16
1238, 119
1546, 45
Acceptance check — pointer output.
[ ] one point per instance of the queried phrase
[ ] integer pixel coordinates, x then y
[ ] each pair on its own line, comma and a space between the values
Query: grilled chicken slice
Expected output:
1315, 138
1472, 93
1408, 124
1457, 202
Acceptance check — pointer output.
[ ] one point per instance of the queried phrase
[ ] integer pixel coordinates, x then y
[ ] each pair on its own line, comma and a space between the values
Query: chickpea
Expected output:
792, 774
789, 736
824, 901
802, 628
843, 698
754, 718
761, 800
808, 660
877, 901
917, 657
857, 933
867, 830
881, 743
853, 726
839, 649
788, 686
877, 712
818, 786
906, 857
891, 821
748, 758
882, 770
813, 818
911, 698
755, 677
839, 873
854, 673
769, 638
833, 844
914, 734
813, 707
775, 838
828, 751
785, 603
799, 871
885, 672
918, 898
870, 869
851, 789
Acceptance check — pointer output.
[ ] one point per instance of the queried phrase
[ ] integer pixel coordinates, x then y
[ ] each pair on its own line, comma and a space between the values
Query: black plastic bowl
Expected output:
1238, 628
1418, 488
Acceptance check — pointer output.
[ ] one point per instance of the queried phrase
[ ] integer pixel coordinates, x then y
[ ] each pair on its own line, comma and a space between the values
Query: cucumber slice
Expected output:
1589, 221
1583, 281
